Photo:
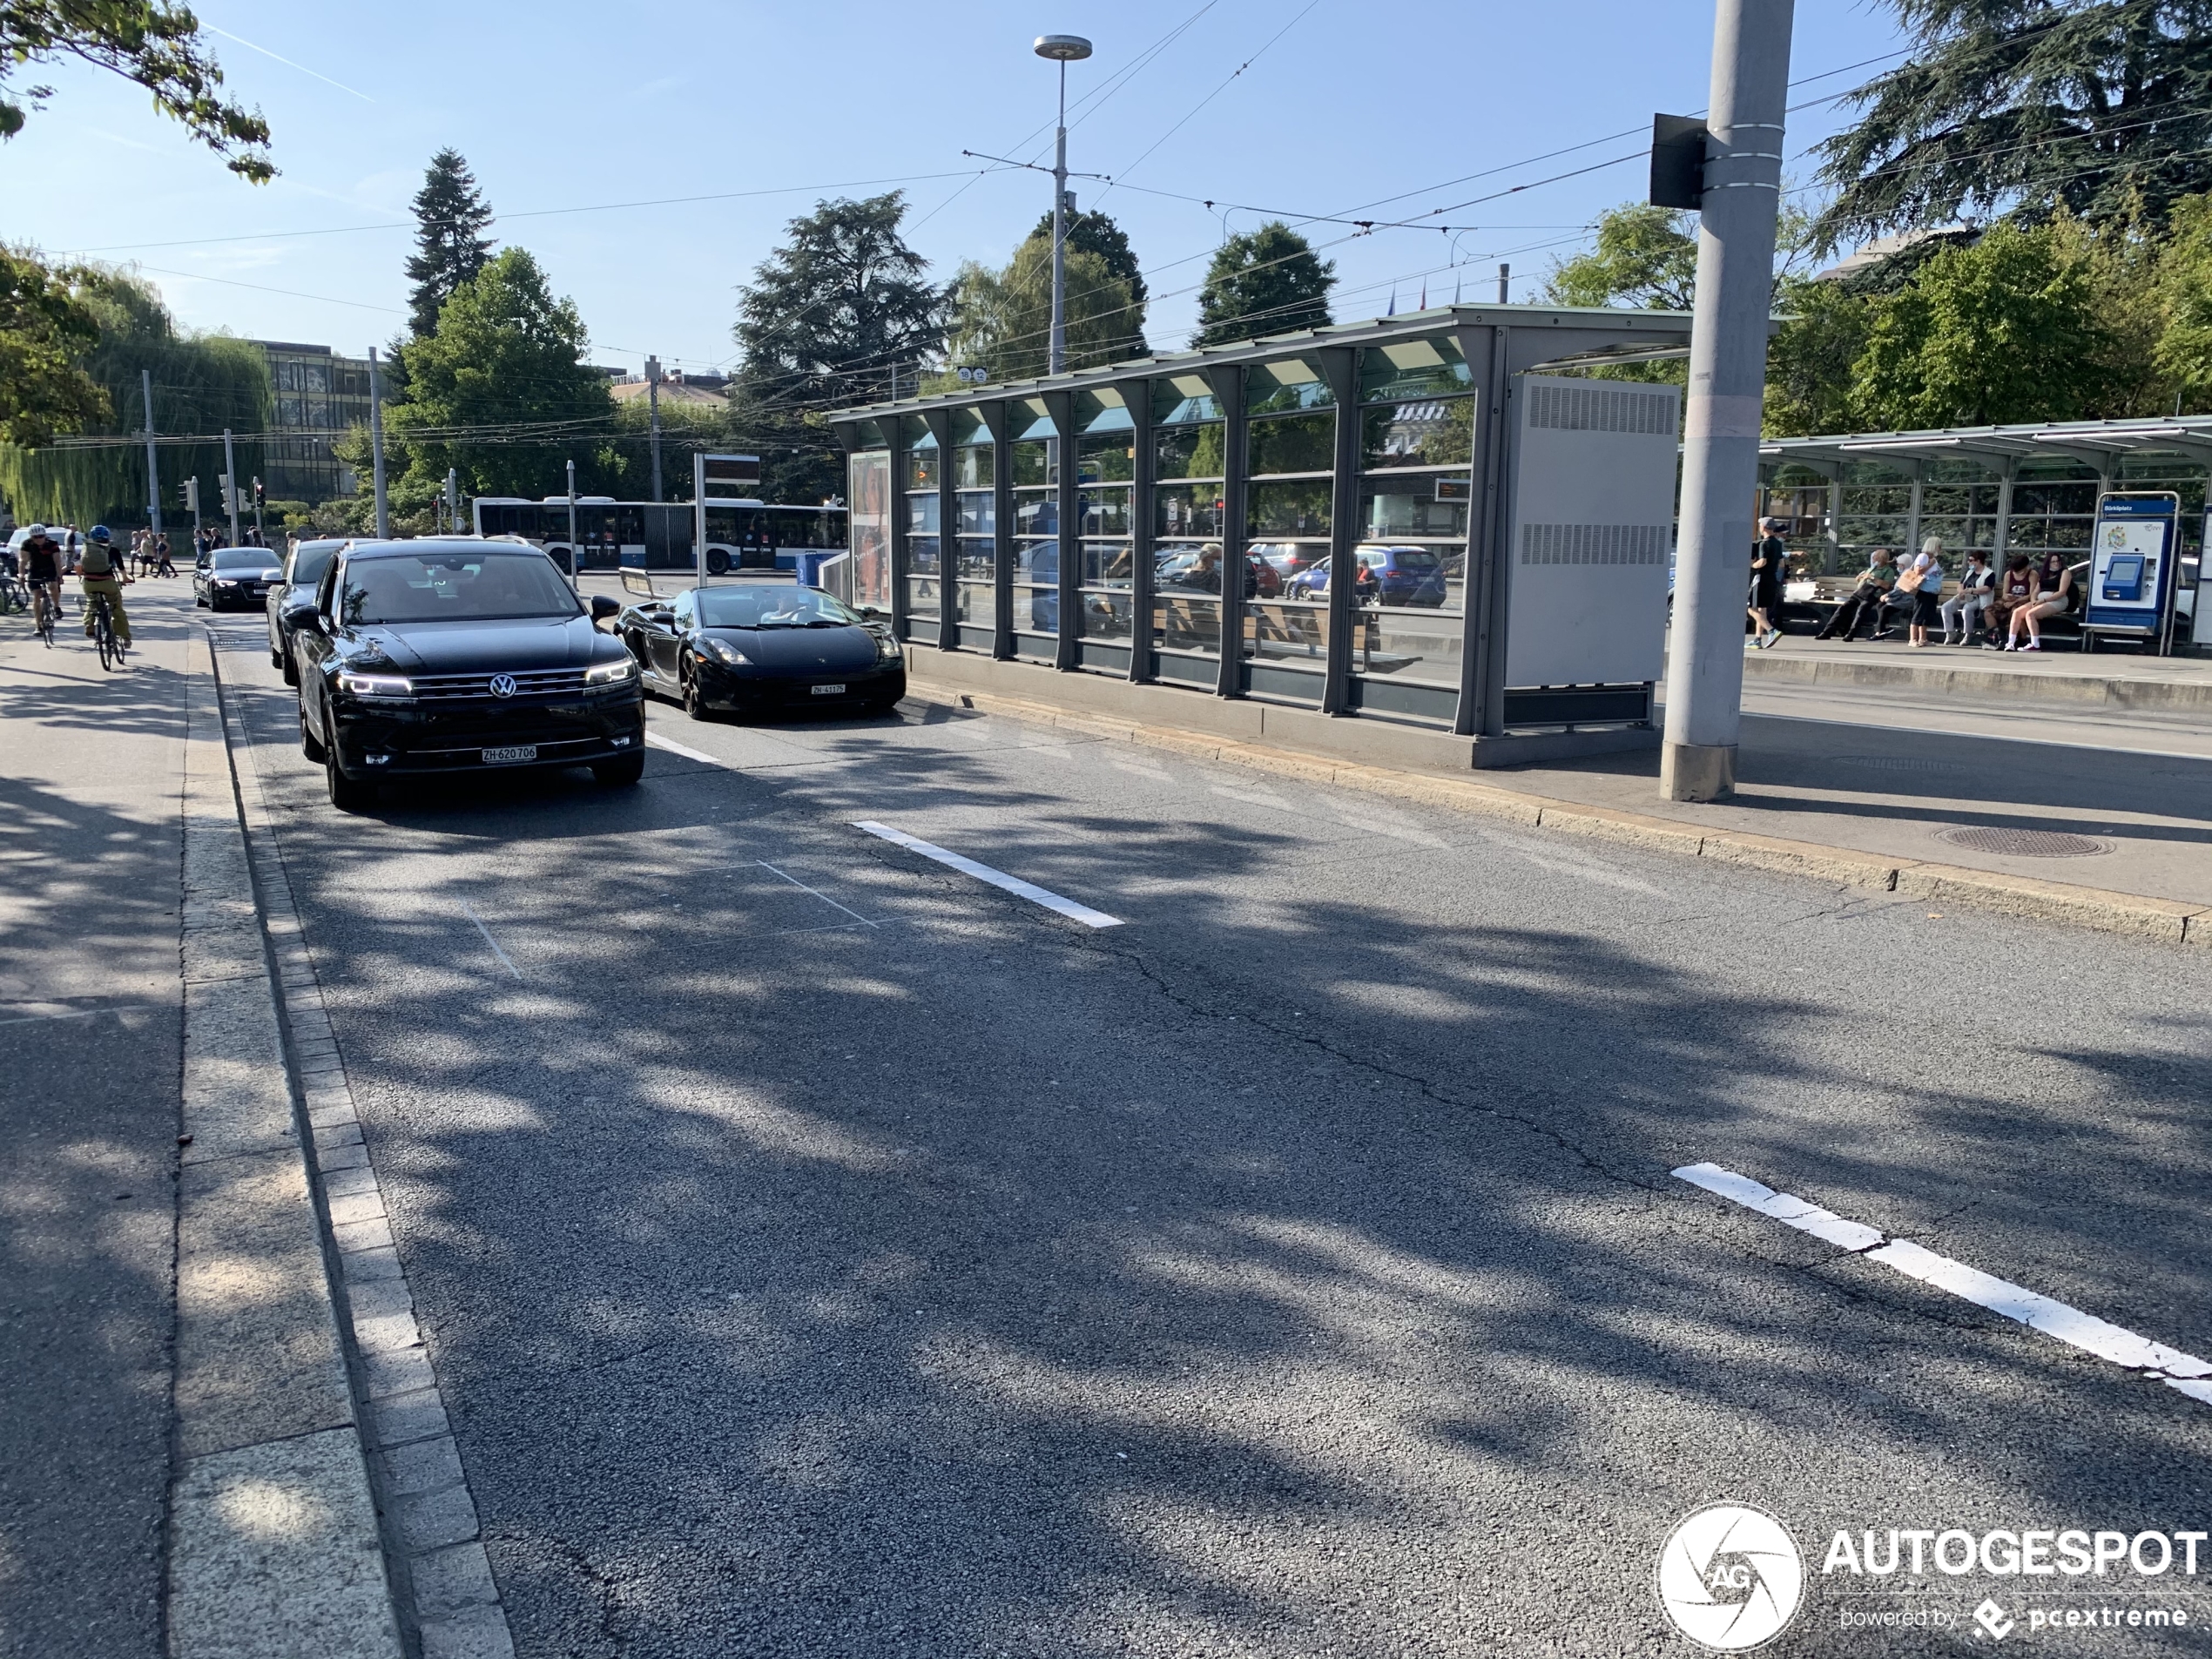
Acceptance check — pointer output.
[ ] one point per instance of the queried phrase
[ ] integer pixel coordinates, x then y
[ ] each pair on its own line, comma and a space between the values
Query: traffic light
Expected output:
191, 495
260, 495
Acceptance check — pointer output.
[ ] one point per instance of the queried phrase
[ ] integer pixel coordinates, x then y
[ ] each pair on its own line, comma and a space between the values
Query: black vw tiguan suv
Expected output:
454, 656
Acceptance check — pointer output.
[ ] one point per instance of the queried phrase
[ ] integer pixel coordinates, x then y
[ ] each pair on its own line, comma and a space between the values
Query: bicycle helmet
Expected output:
100, 533
37, 532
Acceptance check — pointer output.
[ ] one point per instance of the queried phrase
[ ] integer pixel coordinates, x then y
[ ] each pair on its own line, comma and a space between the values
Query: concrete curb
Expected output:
2010, 686
443, 1586
2165, 920
273, 1547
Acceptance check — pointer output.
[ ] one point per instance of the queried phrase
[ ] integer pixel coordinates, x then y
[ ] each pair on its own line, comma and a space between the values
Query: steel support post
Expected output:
1834, 563
1067, 514
1143, 527
997, 418
1913, 513
1743, 182
1228, 383
2004, 533
230, 487
1340, 366
376, 446
1487, 576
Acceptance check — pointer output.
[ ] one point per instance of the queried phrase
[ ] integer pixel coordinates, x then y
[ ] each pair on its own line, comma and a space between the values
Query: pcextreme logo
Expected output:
1731, 1578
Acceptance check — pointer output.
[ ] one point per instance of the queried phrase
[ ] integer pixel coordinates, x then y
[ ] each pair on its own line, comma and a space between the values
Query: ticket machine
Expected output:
2132, 563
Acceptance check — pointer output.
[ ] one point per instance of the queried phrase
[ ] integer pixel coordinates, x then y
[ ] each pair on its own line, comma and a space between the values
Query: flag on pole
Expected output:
1424, 293
1393, 302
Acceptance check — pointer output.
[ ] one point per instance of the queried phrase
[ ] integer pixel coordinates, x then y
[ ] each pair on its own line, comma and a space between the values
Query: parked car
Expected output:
448, 656
302, 570
1399, 576
1287, 559
235, 578
749, 647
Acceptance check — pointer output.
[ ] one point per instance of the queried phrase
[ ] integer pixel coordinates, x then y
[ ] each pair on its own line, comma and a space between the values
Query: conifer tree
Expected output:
450, 214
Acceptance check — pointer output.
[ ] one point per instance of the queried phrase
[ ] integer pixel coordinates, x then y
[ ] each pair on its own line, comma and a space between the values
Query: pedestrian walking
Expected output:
1770, 559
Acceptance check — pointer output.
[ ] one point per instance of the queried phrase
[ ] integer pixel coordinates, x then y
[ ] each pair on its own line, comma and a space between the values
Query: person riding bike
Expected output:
100, 571
42, 574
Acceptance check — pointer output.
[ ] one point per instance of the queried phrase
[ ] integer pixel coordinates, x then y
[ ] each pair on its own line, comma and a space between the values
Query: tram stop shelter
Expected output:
1437, 521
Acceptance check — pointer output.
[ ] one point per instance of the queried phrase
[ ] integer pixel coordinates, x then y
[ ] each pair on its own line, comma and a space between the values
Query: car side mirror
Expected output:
603, 606
302, 614
873, 613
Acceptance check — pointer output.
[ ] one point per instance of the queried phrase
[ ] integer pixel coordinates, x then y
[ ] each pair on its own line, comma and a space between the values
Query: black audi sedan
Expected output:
457, 655
752, 647
303, 569
234, 578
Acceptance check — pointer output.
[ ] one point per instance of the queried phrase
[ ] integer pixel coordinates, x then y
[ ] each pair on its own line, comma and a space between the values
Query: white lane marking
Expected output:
2071, 1326
504, 961
676, 748
998, 879
81, 1014
823, 897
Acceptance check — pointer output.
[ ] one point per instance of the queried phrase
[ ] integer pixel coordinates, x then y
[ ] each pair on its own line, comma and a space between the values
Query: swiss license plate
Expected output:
508, 757
829, 690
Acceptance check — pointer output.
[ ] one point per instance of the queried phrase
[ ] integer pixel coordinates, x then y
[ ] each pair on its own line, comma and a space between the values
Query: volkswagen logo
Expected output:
502, 686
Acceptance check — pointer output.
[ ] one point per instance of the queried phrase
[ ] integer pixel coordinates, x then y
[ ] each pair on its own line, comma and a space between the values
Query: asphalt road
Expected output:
825, 1253
90, 1062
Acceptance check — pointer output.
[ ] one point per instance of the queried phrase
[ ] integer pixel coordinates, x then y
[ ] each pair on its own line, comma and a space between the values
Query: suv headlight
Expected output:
612, 673
723, 651
375, 685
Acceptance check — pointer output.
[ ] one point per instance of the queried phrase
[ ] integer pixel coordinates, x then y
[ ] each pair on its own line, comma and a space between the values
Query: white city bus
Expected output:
657, 535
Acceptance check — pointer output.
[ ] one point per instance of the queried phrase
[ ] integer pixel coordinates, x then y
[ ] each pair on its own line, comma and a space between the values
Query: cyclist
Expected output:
100, 571
42, 574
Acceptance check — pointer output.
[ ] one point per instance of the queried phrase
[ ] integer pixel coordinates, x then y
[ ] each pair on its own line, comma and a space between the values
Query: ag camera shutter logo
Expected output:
1731, 1578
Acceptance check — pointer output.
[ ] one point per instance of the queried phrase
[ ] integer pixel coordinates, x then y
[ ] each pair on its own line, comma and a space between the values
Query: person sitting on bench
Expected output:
1866, 602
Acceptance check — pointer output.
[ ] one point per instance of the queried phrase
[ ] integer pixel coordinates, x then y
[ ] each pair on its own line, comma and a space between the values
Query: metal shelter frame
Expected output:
1496, 343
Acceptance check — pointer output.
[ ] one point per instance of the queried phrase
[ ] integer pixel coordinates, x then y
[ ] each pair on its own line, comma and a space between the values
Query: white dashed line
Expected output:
2176, 1370
999, 879
676, 748
504, 962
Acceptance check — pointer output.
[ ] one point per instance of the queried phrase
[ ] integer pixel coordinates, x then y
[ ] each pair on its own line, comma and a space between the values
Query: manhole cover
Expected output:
1895, 763
2023, 843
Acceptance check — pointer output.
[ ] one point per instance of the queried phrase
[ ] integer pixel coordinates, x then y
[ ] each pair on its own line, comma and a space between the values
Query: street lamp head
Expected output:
1065, 49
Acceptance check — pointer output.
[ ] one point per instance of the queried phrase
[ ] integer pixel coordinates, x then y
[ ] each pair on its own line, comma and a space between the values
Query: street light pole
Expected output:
153, 467
1063, 50
230, 485
1741, 190
376, 446
652, 405
576, 560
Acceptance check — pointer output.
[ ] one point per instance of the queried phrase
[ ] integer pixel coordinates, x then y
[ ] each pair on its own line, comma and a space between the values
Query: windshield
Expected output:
459, 586
244, 558
771, 607
309, 563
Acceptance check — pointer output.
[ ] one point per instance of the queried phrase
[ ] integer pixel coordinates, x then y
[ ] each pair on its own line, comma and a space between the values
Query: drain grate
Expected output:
2023, 843
1895, 763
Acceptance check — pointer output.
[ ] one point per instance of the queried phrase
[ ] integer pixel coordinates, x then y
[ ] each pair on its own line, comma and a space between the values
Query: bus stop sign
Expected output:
731, 470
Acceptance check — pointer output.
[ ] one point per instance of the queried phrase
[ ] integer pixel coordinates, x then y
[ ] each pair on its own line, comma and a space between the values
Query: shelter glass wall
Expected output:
1290, 457
1105, 465
1416, 487
1189, 469
1036, 530
923, 464
974, 569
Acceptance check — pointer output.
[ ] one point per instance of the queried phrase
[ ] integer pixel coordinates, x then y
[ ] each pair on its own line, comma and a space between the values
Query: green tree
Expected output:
450, 247
2006, 330
838, 316
155, 44
1267, 281
1810, 386
201, 383
45, 334
1644, 256
501, 392
2182, 293
1001, 320
1095, 232
2025, 107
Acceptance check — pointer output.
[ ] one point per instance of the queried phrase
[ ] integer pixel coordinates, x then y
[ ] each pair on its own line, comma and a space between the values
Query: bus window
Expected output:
794, 527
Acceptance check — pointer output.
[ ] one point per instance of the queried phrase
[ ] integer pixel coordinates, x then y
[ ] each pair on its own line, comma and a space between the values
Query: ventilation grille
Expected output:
1602, 408
1594, 544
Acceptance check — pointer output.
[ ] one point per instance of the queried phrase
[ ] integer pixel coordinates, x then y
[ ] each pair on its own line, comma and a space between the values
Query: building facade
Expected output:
318, 395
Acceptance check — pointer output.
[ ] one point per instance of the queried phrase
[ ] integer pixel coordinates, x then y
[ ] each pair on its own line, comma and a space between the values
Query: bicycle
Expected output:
14, 596
103, 632
44, 607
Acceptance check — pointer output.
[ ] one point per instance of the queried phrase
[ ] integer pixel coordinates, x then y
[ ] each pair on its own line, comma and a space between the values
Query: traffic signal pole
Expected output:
376, 446
230, 484
1741, 194
153, 466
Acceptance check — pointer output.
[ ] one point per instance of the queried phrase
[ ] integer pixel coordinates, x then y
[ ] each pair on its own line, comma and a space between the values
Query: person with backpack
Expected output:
99, 572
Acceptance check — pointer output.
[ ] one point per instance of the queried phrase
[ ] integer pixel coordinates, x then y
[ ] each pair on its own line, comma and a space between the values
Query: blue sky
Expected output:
560, 106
